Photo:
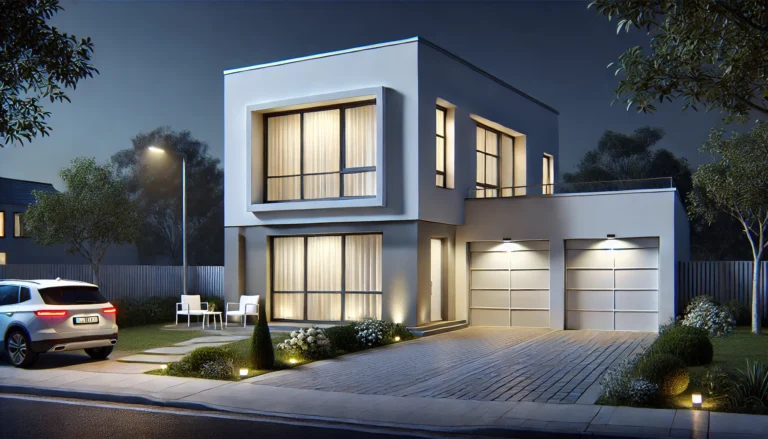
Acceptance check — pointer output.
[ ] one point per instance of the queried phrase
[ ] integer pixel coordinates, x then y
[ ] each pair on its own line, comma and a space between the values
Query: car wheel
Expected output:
18, 348
99, 353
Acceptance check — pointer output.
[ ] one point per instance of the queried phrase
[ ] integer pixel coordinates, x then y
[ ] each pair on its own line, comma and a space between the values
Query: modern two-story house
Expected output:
401, 182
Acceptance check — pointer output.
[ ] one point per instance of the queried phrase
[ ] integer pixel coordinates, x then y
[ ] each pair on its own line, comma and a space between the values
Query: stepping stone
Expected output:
175, 350
153, 359
213, 339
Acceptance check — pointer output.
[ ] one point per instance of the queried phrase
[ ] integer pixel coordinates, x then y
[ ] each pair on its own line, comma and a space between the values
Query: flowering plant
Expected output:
310, 343
703, 313
373, 332
642, 392
617, 382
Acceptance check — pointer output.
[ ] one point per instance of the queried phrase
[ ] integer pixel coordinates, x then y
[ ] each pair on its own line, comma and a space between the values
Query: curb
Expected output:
483, 431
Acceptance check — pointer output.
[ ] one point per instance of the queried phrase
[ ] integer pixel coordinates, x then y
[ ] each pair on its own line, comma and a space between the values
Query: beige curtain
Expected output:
288, 306
358, 306
360, 137
360, 184
324, 263
283, 157
363, 263
288, 261
324, 307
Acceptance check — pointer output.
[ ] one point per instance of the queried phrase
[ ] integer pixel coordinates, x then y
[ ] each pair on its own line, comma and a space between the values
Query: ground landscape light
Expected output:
243, 372
696, 399
163, 366
292, 361
397, 338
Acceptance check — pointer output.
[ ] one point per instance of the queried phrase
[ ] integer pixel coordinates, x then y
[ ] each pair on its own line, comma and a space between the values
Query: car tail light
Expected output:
51, 313
112, 310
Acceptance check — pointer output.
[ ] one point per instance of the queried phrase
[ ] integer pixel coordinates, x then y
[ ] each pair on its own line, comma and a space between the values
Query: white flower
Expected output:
311, 331
293, 334
310, 339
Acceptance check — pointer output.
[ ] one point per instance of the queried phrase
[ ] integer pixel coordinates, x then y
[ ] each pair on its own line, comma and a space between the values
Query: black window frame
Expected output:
21, 234
305, 291
499, 136
342, 152
445, 141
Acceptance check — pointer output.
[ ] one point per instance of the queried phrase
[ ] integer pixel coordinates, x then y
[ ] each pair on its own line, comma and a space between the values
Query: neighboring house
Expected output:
401, 182
18, 248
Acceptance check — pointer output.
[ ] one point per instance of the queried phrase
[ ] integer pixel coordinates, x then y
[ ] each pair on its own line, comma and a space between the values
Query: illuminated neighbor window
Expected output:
18, 225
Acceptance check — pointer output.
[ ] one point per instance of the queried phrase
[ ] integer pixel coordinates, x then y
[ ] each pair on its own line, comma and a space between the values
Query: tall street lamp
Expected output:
159, 150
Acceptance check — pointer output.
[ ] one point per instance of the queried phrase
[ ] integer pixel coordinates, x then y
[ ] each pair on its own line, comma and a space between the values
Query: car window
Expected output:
71, 295
9, 295
24, 294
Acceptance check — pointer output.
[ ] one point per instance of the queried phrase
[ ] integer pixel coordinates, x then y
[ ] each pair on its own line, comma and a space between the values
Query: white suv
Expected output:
38, 316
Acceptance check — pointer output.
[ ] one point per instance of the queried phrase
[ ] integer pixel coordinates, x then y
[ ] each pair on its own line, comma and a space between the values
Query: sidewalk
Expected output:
523, 419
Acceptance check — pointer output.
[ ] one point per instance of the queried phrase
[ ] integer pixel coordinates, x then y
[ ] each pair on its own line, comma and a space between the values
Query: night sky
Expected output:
161, 64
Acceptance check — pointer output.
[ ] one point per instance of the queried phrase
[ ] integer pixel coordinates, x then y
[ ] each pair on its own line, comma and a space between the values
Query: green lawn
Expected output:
141, 338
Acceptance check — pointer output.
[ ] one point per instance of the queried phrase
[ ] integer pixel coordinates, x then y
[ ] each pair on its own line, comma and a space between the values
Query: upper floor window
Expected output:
2, 224
548, 175
440, 151
321, 153
3, 258
18, 225
495, 163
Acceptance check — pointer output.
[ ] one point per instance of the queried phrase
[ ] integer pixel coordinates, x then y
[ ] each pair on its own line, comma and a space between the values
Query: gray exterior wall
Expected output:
580, 216
446, 233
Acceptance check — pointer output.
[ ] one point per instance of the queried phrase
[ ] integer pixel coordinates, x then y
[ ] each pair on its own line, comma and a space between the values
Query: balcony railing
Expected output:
573, 188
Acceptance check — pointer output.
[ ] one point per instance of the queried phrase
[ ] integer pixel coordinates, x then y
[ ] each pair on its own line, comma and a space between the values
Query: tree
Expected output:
708, 53
92, 214
262, 352
155, 181
37, 62
620, 156
736, 183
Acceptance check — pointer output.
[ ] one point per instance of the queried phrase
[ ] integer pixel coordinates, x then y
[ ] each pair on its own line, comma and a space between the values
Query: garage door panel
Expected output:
490, 279
589, 320
590, 299
637, 258
637, 300
490, 317
494, 299
590, 279
531, 319
538, 279
529, 260
589, 258
530, 299
489, 260
644, 279
637, 321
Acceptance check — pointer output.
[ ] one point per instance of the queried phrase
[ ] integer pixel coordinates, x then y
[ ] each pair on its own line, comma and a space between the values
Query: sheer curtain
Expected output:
360, 151
324, 274
288, 275
362, 273
322, 143
284, 157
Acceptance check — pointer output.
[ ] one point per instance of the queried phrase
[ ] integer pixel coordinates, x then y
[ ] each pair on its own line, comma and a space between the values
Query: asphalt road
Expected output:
32, 417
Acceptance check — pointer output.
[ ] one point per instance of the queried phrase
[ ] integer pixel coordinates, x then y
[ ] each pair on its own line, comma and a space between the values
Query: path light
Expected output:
243, 372
397, 338
163, 366
292, 361
696, 400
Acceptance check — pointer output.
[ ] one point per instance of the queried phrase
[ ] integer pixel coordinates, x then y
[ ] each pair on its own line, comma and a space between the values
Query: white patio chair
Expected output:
248, 306
190, 306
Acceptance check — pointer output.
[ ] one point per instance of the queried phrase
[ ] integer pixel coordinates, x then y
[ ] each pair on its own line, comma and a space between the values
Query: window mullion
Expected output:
342, 150
306, 285
343, 277
301, 157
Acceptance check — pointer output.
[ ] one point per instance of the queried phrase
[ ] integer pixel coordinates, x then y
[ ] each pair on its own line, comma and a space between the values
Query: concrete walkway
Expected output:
165, 355
518, 419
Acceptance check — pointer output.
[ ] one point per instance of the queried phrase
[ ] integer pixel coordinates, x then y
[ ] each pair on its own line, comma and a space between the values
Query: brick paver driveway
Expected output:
478, 363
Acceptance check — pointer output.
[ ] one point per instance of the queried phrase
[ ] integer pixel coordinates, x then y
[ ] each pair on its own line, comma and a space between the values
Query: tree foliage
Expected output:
710, 54
37, 62
735, 182
155, 181
92, 214
620, 156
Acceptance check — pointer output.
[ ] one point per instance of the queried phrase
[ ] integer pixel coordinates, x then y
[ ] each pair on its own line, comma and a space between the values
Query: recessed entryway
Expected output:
436, 313
612, 284
509, 283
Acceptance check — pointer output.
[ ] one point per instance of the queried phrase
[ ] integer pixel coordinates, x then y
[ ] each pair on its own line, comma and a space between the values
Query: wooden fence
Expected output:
134, 281
724, 280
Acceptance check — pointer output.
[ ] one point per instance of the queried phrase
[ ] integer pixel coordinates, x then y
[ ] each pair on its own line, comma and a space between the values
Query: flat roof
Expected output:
396, 43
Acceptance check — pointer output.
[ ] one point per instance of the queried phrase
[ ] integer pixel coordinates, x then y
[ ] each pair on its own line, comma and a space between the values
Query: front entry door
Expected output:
437, 279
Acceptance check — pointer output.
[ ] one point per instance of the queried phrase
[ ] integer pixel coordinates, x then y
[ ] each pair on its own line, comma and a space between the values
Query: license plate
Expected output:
86, 320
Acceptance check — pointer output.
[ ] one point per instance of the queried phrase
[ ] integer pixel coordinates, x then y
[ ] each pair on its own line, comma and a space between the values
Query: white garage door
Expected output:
509, 283
612, 284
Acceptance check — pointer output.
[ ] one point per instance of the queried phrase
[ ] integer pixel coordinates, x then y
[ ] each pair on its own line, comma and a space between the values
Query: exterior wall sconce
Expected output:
506, 240
696, 400
611, 236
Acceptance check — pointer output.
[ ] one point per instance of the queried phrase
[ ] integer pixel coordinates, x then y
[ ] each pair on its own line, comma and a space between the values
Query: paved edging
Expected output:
402, 428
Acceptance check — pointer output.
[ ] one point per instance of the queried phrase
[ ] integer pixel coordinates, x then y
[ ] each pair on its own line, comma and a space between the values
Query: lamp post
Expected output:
159, 150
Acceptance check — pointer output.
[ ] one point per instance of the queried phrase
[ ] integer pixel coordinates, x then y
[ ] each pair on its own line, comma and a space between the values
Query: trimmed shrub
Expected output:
219, 369
307, 343
642, 393
399, 330
692, 345
343, 337
666, 371
200, 356
372, 332
703, 312
738, 311
262, 353
616, 382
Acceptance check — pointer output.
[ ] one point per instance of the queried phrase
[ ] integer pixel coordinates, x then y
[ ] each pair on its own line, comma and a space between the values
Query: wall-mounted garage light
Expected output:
611, 236
506, 240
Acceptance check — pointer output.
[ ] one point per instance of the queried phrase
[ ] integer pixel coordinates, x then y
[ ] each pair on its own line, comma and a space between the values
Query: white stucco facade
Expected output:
407, 79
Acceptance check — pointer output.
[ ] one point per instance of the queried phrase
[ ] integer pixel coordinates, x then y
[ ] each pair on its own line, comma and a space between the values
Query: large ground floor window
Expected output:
327, 277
